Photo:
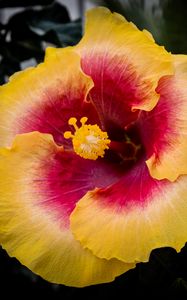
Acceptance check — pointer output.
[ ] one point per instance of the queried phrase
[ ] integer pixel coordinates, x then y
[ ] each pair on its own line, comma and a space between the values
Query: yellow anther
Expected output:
89, 141
73, 121
83, 120
68, 134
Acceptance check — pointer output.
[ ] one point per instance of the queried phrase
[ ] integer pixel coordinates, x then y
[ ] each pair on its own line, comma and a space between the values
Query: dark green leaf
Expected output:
23, 3
62, 34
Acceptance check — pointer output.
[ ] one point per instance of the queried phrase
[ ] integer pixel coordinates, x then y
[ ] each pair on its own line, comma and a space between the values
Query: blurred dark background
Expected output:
27, 27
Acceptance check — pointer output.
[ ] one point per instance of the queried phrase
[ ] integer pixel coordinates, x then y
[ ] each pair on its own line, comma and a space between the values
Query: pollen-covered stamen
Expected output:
89, 141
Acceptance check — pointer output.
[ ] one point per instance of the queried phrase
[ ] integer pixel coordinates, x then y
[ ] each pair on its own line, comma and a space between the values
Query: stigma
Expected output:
89, 141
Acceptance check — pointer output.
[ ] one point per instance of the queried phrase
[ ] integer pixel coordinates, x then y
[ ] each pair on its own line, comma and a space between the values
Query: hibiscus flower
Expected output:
93, 155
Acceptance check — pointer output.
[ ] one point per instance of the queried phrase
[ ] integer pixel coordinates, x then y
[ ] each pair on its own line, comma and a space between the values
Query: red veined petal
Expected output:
125, 65
33, 219
44, 98
129, 219
164, 129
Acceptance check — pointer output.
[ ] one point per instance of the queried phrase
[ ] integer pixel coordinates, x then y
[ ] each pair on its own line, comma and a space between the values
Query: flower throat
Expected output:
90, 142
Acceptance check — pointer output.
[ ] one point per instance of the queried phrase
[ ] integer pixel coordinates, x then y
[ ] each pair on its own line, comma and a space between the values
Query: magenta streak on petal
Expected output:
158, 127
135, 188
51, 115
67, 178
117, 88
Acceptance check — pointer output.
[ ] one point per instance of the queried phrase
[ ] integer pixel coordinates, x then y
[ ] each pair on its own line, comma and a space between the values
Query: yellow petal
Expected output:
131, 218
42, 98
169, 158
36, 234
123, 58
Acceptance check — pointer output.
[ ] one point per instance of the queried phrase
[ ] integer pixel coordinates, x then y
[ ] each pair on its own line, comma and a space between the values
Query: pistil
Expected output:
89, 141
